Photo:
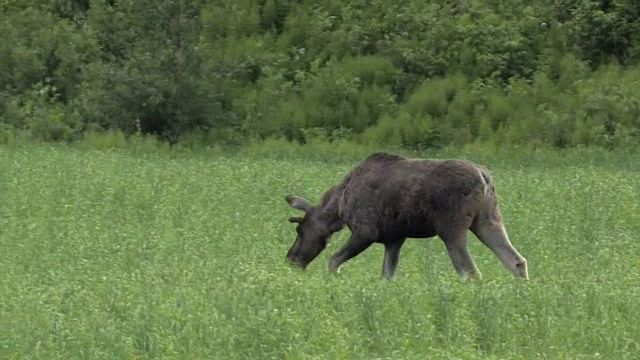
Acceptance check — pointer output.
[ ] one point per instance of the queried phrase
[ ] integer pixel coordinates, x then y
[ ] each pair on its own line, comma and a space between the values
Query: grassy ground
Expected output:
119, 255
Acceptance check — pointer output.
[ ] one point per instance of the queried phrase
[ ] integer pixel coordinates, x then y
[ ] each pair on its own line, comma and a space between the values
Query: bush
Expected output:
411, 73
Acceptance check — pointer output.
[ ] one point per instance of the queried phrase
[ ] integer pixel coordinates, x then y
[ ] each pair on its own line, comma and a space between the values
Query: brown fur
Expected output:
388, 198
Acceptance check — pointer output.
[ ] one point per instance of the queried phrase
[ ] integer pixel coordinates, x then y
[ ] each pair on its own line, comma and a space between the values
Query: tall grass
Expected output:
125, 254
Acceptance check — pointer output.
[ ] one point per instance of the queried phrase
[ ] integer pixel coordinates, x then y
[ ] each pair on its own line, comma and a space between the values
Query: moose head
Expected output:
314, 230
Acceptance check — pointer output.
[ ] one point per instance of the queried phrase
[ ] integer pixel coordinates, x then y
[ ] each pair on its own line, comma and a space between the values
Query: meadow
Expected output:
119, 254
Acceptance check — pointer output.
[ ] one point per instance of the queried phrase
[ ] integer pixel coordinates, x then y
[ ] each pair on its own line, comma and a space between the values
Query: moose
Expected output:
388, 198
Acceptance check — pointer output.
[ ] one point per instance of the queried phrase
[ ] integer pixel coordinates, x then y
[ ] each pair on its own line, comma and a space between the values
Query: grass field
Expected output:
121, 255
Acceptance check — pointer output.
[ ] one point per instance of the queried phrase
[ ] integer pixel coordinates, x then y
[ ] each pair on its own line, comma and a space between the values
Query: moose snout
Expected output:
297, 261
521, 268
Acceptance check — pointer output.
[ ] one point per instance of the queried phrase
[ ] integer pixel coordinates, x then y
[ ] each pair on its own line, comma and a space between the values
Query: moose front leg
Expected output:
457, 246
391, 257
354, 246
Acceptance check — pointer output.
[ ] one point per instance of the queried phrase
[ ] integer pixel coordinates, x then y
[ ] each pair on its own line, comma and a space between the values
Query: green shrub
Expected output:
410, 73
103, 140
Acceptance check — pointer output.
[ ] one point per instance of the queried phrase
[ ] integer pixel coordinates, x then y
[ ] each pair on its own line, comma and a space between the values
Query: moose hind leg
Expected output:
493, 235
354, 246
391, 258
457, 246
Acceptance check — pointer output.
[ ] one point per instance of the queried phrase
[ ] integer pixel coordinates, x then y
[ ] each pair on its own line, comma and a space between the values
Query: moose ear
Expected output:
295, 219
299, 203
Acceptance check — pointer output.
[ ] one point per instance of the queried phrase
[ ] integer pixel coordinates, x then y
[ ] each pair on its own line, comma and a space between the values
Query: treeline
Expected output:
414, 73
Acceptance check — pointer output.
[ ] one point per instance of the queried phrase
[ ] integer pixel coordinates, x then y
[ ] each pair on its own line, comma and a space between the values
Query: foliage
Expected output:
234, 72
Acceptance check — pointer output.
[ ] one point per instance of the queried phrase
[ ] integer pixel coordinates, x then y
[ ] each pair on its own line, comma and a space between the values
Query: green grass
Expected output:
119, 255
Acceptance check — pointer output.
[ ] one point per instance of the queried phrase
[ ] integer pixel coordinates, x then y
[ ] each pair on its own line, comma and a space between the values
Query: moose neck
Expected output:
328, 211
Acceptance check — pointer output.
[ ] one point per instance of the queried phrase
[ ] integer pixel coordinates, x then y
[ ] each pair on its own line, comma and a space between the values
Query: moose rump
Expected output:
388, 198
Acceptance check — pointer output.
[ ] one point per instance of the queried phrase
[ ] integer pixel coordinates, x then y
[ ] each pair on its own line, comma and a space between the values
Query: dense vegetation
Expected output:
120, 255
410, 73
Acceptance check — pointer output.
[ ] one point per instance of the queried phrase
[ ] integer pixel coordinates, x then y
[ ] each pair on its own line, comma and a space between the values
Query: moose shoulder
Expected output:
389, 198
